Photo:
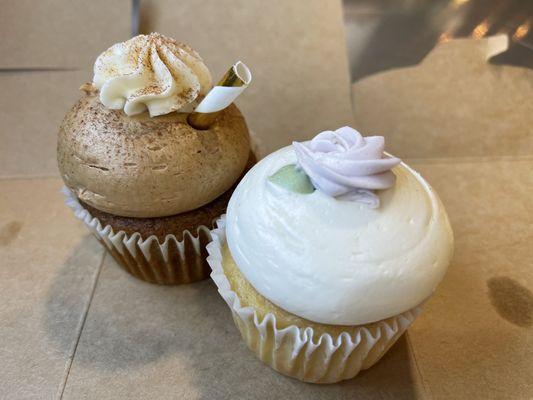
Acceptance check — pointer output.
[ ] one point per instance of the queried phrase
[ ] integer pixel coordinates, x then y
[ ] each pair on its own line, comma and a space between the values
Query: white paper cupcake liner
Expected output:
169, 263
298, 352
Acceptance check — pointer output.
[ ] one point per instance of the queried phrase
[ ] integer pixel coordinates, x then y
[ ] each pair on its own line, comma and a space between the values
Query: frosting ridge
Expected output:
151, 72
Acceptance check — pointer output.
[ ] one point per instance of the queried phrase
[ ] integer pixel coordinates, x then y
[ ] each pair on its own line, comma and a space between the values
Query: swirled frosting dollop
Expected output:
344, 163
151, 72
335, 261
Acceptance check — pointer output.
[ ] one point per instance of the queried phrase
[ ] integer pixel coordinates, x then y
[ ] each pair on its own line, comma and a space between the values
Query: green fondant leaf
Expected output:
292, 178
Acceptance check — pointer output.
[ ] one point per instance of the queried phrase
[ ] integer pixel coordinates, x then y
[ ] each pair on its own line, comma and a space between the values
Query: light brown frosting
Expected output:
148, 167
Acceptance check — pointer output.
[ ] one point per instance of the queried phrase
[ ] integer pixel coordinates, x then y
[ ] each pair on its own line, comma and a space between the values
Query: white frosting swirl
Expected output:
151, 72
344, 163
334, 261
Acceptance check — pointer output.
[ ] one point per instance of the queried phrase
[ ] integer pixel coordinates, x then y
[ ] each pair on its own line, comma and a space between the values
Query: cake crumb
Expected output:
88, 88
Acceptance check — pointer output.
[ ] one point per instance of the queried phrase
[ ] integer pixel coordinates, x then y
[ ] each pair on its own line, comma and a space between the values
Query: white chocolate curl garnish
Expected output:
346, 165
151, 72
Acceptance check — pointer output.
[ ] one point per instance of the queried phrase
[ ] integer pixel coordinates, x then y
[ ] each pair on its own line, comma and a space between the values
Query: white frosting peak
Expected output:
337, 261
151, 72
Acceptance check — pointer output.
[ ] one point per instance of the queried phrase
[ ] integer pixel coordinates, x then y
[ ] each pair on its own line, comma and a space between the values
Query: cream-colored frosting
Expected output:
338, 261
151, 72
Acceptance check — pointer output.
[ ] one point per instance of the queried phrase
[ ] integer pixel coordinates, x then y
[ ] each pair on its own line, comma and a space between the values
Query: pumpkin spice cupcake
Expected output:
327, 252
147, 183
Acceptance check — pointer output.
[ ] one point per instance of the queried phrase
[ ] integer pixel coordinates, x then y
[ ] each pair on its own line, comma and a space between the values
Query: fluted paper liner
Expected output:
298, 352
169, 263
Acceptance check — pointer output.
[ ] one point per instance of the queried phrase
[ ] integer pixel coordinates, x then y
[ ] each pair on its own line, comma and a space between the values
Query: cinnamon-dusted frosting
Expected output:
148, 167
151, 72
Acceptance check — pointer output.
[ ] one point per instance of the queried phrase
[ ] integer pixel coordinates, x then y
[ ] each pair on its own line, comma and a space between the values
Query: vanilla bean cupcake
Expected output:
326, 254
146, 183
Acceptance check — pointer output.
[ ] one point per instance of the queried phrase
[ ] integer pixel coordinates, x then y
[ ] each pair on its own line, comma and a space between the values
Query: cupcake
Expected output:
326, 254
145, 182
